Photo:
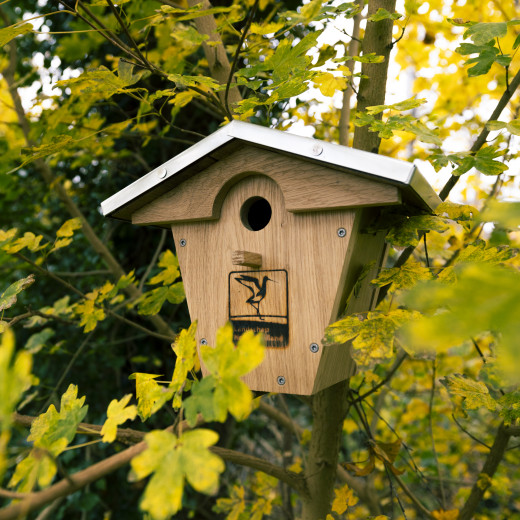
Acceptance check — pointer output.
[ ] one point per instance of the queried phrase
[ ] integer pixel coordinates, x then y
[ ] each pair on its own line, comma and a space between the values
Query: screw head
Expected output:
182, 242
314, 347
281, 380
162, 173
203, 341
342, 232
317, 149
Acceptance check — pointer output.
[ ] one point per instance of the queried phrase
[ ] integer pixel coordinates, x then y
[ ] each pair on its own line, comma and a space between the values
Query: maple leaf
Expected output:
9, 297
117, 413
475, 394
171, 461
343, 500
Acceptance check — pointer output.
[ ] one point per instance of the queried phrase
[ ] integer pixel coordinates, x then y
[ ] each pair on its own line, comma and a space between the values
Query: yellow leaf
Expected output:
328, 83
117, 413
68, 228
343, 500
171, 461
440, 514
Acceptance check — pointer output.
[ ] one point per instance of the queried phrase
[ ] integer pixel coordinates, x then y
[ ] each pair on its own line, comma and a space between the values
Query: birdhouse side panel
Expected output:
290, 297
358, 295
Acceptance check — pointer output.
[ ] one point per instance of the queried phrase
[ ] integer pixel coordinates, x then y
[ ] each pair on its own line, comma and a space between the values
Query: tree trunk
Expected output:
330, 405
372, 89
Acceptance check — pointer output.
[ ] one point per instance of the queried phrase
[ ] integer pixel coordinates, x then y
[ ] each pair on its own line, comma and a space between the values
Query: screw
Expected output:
281, 380
314, 347
317, 149
182, 242
203, 341
342, 232
162, 173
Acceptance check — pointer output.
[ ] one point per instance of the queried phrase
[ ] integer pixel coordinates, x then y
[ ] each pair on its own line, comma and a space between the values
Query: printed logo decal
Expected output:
258, 301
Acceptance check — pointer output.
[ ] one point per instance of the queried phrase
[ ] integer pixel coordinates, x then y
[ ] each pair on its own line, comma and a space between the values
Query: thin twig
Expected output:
84, 296
67, 369
430, 427
397, 363
468, 433
237, 54
151, 265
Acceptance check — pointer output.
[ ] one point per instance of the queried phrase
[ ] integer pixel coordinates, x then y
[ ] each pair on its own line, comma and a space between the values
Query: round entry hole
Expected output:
256, 213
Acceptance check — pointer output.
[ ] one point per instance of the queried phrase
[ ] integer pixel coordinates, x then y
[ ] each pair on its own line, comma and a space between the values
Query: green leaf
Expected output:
483, 62
171, 461
407, 104
117, 413
482, 33
9, 33
374, 335
510, 404
495, 125
56, 144
513, 127
288, 60
383, 14
482, 298
222, 391
193, 81
38, 341
406, 233
152, 301
506, 214
9, 296
404, 277
194, 12
485, 161
51, 433
474, 394
310, 10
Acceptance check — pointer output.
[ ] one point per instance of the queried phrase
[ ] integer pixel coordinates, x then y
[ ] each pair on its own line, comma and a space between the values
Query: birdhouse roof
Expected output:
414, 188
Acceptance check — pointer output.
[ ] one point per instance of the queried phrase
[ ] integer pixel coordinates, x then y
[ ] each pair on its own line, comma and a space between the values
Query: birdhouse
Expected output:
272, 232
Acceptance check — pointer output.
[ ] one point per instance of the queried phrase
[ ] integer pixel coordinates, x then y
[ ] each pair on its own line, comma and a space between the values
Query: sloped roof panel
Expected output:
165, 177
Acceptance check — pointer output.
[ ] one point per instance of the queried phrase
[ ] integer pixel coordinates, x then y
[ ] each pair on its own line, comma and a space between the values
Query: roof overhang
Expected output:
414, 187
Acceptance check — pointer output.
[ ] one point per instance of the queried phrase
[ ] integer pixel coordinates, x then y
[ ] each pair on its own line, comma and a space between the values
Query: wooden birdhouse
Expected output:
272, 234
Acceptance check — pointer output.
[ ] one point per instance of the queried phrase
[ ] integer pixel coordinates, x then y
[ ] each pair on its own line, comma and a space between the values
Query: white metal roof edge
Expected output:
172, 166
379, 166
322, 151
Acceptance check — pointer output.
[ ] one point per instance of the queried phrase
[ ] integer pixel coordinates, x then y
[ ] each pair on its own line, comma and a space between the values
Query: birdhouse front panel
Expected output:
272, 235
290, 296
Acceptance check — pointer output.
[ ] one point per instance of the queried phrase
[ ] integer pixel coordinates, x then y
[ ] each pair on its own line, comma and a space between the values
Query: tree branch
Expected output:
215, 52
294, 480
353, 50
33, 501
481, 139
372, 86
245, 30
97, 244
490, 466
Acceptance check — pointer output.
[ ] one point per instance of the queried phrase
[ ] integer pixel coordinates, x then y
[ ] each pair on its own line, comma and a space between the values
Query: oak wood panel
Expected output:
366, 249
305, 186
305, 245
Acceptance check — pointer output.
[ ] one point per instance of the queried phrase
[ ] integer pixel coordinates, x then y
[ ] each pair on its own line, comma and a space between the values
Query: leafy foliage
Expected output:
109, 91
171, 461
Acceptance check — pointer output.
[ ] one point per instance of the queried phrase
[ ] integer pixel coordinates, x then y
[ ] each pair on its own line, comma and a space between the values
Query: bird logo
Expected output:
258, 291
